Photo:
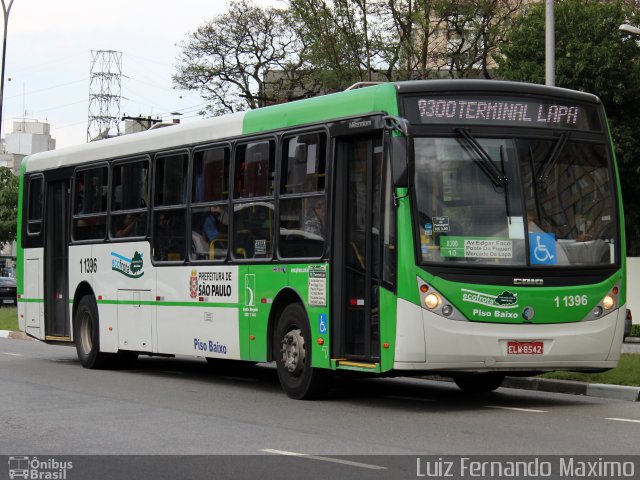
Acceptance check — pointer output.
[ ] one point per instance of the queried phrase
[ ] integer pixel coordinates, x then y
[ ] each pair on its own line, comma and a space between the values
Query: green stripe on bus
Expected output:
147, 303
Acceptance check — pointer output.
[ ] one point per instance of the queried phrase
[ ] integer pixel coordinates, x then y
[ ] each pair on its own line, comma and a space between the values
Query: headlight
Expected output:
608, 302
432, 301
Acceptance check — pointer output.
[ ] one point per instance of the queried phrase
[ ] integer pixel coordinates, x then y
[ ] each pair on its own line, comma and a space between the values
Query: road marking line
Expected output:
12, 354
417, 399
324, 459
630, 420
516, 409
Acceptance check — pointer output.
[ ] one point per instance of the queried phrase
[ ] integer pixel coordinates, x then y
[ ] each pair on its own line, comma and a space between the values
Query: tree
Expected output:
593, 57
475, 30
339, 38
359, 40
8, 205
228, 58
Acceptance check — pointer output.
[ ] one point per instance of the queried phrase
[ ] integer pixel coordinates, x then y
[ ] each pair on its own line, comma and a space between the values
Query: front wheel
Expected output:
479, 382
87, 336
292, 350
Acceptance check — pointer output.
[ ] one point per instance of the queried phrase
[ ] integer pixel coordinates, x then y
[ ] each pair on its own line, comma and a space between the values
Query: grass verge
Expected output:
9, 318
625, 374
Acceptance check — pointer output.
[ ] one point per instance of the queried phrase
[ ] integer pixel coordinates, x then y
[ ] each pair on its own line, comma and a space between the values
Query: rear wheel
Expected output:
479, 382
292, 350
87, 336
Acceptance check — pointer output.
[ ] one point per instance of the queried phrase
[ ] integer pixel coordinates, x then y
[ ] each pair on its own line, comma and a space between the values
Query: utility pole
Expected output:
550, 44
6, 10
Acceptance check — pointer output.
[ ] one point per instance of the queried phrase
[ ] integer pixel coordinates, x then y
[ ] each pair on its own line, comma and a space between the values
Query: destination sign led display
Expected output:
501, 111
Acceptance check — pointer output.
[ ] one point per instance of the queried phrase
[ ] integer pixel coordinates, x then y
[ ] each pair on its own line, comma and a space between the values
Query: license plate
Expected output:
7, 300
525, 348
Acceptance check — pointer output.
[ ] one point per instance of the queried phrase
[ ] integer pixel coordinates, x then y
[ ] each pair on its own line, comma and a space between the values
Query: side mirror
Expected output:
401, 148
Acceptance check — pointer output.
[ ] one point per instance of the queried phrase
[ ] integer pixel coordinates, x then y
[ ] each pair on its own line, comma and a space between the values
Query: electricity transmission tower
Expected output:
105, 86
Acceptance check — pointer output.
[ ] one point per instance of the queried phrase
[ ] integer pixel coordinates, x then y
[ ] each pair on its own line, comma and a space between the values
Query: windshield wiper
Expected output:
482, 159
506, 187
548, 164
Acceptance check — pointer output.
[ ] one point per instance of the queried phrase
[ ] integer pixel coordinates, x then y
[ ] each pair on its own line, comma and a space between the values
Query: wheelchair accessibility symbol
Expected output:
542, 249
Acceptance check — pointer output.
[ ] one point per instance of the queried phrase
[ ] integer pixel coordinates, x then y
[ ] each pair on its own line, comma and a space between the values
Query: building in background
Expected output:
27, 137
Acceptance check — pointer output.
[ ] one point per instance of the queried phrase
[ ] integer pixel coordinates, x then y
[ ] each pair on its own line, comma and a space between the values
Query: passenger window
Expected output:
170, 219
303, 206
90, 203
255, 169
210, 175
303, 165
171, 180
209, 209
129, 199
253, 230
34, 215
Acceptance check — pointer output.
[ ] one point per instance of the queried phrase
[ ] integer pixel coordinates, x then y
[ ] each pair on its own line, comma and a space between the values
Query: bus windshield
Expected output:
514, 201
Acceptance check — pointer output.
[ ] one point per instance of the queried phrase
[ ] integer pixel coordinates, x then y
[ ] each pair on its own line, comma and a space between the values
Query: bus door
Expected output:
356, 240
56, 256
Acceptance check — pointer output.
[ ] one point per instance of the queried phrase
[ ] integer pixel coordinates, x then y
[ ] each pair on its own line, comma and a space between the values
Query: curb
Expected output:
14, 335
618, 392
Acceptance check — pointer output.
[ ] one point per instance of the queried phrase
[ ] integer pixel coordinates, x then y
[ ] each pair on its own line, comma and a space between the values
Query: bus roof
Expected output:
338, 105
378, 98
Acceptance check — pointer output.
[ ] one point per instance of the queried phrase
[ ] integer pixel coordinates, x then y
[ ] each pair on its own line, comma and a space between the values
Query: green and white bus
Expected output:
470, 229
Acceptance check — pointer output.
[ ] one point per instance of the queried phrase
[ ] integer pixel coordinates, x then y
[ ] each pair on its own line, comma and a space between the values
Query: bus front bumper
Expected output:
425, 341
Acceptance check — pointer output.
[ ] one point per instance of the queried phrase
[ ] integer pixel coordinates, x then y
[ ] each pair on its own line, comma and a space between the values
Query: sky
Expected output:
48, 58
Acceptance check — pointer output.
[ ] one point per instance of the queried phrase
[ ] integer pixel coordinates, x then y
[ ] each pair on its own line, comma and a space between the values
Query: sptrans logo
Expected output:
37, 469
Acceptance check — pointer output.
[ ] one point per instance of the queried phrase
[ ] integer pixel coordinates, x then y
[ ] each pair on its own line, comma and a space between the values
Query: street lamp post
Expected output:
6, 9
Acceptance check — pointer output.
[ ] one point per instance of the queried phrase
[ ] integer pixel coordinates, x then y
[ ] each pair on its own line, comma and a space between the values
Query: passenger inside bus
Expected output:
209, 234
128, 226
315, 221
169, 239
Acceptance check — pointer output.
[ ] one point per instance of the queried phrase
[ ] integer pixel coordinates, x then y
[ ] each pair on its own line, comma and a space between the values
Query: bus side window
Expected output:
169, 218
303, 207
90, 203
253, 221
209, 210
34, 215
129, 199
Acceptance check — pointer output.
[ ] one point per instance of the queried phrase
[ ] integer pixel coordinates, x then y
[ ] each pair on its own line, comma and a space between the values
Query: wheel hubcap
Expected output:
293, 352
86, 333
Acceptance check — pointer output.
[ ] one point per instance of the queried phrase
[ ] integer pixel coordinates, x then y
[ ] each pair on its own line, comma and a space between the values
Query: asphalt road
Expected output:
50, 405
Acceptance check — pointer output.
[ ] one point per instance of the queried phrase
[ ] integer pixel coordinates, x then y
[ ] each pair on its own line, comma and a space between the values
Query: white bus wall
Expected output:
31, 314
156, 309
633, 287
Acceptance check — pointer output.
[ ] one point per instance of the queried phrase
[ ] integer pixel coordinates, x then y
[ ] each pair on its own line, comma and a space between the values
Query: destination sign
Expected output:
502, 111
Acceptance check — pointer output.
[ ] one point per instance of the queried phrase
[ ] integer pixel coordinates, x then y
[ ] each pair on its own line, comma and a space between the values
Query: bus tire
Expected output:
479, 382
292, 351
87, 336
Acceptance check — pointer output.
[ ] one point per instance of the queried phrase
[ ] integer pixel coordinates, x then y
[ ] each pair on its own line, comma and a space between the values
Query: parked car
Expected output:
8, 291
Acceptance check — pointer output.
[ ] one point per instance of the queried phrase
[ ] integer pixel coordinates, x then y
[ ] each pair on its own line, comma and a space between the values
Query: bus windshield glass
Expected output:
514, 201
